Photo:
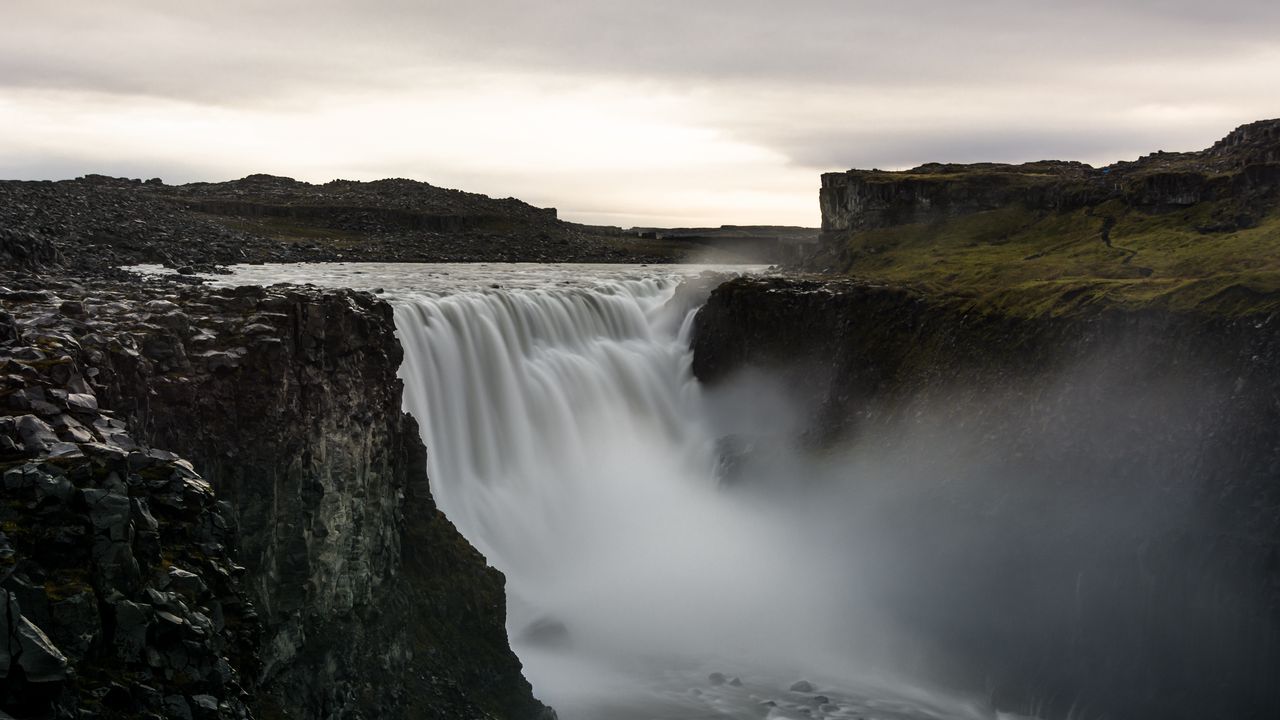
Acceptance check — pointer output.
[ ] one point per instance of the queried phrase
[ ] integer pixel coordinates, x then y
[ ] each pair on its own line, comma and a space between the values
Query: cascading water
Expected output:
572, 445
569, 442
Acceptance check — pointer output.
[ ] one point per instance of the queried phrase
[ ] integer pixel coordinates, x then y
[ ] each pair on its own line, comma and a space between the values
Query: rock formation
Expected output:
1244, 164
262, 569
99, 222
1093, 523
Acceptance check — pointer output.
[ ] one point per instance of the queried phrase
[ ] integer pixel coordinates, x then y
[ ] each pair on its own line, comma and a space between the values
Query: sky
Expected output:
652, 113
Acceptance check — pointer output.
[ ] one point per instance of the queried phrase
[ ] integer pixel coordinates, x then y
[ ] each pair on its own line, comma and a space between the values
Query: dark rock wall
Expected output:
1093, 517
864, 200
119, 593
370, 603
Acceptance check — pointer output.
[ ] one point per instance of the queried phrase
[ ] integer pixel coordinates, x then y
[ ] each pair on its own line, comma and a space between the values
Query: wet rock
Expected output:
82, 402
177, 708
54, 487
109, 513
546, 632
69, 429
716, 678
802, 686
65, 452
27, 646
35, 434
204, 705
216, 360
132, 620
186, 583
21, 478
9, 332
316, 410
27, 250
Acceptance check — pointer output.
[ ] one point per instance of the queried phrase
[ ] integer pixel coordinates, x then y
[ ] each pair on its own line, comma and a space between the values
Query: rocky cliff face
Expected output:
366, 601
1086, 506
1240, 167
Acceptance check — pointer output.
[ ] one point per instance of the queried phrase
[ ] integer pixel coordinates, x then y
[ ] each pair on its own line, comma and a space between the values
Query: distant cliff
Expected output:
1167, 225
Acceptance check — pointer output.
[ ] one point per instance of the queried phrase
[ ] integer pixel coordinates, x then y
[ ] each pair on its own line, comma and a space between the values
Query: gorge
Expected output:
1011, 457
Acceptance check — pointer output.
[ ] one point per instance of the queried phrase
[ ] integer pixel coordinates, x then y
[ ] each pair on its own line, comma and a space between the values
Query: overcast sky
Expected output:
645, 112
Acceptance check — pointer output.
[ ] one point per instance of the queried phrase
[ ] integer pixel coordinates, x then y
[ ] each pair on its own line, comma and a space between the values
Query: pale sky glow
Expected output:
656, 113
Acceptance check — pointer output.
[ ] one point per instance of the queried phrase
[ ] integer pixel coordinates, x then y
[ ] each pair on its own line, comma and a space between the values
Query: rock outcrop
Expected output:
27, 251
120, 593
341, 589
1084, 512
1240, 167
98, 223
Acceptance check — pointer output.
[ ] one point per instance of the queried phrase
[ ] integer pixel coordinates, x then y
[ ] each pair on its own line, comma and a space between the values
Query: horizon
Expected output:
660, 116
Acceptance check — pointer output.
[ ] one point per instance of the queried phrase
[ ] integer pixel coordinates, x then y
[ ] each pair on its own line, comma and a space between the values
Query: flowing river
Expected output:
570, 443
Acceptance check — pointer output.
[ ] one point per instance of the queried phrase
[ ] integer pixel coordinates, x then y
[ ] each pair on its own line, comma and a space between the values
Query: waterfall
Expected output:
569, 441
549, 413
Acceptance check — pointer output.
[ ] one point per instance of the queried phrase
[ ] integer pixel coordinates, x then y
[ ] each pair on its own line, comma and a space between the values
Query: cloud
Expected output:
749, 98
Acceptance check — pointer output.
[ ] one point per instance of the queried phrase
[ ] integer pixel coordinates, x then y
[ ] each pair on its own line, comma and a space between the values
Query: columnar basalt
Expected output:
286, 404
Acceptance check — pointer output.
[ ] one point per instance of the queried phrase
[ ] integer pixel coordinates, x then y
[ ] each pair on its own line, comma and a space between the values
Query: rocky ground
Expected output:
96, 223
122, 598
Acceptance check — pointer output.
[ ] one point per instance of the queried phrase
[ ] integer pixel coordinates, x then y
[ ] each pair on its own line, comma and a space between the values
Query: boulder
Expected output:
35, 434
802, 686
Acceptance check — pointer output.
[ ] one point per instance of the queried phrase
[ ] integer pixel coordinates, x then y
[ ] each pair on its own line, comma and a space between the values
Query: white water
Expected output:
569, 442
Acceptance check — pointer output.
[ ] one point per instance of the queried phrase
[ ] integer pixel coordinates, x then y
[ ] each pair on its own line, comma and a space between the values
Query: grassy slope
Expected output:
1033, 262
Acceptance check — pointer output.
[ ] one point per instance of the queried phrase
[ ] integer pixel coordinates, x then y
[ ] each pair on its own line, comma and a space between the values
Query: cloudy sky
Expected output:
644, 112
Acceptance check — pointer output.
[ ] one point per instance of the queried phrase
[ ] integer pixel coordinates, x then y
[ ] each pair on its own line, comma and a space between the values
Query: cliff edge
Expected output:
280, 557
1172, 228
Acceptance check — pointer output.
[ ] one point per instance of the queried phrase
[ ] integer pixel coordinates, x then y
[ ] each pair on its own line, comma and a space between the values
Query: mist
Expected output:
976, 532
942, 551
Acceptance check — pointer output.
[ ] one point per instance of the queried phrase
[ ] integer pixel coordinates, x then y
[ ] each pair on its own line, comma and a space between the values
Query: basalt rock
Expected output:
92, 532
284, 560
1082, 508
27, 250
94, 224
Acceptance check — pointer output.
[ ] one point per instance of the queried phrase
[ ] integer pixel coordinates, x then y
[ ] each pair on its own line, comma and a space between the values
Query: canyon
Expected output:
1030, 410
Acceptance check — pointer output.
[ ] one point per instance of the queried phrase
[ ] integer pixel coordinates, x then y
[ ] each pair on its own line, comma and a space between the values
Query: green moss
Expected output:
64, 584
1029, 262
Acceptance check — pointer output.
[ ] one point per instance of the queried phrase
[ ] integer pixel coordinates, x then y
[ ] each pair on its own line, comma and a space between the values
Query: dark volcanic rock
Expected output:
82, 551
1081, 507
95, 223
303, 468
26, 250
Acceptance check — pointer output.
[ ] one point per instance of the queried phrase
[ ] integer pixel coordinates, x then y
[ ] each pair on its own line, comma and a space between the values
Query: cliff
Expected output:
1172, 228
345, 592
1079, 511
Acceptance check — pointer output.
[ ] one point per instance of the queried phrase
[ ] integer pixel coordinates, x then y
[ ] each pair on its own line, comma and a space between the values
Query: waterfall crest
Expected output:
536, 404
570, 443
